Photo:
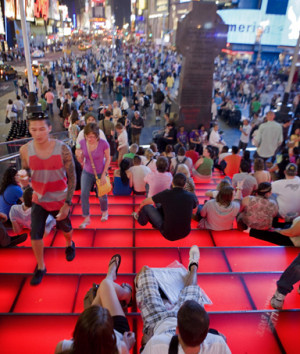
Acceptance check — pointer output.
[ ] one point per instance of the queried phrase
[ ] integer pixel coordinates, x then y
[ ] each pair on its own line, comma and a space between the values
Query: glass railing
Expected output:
10, 155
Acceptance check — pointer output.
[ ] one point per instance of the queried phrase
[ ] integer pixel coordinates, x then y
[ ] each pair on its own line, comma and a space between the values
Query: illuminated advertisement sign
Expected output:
41, 9
10, 9
53, 10
246, 25
29, 10
162, 5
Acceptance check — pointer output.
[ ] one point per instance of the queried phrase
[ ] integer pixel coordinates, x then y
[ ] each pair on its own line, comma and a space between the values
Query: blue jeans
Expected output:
289, 277
87, 182
50, 108
153, 215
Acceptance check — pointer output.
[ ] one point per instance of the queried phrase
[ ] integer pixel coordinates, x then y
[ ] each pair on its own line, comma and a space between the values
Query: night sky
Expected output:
121, 9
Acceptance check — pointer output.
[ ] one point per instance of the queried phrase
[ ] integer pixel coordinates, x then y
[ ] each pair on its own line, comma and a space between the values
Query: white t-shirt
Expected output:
138, 175
81, 136
159, 343
288, 195
214, 138
151, 164
19, 105
245, 138
23, 217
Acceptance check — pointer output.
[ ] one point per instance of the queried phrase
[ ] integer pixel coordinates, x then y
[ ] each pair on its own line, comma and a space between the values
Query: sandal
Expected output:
123, 302
114, 259
84, 224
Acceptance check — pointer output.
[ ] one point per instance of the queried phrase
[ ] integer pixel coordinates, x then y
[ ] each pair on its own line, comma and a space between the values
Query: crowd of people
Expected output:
258, 194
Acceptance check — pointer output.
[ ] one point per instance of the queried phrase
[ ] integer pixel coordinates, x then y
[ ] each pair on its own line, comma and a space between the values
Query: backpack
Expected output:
146, 101
177, 164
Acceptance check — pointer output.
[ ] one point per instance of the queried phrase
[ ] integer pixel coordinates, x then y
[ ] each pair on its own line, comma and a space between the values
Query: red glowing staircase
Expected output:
237, 272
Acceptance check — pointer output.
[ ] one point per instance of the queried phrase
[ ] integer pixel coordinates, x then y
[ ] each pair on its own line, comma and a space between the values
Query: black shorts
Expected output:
38, 221
121, 324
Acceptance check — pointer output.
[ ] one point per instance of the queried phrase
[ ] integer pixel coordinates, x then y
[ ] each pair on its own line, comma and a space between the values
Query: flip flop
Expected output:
114, 259
123, 302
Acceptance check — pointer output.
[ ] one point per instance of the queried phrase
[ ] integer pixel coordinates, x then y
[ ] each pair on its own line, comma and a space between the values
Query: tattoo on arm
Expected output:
70, 169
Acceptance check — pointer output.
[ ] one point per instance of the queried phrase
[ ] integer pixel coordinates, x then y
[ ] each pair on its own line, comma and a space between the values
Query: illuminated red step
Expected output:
113, 238
9, 287
266, 259
55, 294
113, 209
244, 332
113, 222
236, 238
86, 261
153, 238
82, 238
221, 289
17, 260
263, 286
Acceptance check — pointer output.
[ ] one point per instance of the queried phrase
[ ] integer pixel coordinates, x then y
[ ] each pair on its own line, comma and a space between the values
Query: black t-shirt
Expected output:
177, 205
138, 122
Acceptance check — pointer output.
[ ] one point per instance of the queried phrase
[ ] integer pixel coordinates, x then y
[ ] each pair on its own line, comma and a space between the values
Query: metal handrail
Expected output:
28, 139
17, 154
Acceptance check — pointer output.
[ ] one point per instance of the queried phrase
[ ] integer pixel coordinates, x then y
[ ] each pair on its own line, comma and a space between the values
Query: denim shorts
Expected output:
38, 221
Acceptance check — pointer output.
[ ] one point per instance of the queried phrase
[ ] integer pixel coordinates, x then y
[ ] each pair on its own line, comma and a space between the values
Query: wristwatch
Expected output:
69, 202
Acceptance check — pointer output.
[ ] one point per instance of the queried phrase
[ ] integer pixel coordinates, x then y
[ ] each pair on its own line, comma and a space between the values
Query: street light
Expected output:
32, 98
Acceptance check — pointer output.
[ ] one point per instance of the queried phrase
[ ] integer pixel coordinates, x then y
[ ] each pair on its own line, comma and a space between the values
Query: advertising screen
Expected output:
29, 10
244, 25
41, 8
10, 9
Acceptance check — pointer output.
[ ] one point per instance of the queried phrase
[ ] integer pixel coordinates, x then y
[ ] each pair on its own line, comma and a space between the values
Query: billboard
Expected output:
244, 25
53, 10
10, 9
41, 9
29, 10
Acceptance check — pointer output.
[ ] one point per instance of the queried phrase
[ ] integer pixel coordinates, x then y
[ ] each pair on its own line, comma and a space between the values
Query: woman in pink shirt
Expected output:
159, 180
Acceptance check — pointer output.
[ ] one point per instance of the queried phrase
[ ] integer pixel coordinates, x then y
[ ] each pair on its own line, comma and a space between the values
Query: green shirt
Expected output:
43, 103
206, 167
130, 155
256, 106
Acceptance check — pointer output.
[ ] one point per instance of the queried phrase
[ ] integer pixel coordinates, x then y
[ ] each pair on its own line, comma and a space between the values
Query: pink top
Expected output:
158, 182
49, 97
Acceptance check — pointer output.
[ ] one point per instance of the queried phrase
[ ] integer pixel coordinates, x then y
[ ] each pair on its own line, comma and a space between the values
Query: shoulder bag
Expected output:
101, 189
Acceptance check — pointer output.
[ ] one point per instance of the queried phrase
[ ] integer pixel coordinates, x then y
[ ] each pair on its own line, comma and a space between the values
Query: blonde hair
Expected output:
182, 168
149, 153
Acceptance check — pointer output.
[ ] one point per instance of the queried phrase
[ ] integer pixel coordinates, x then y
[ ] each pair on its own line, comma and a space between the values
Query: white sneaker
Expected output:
104, 216
194, 256
157, 118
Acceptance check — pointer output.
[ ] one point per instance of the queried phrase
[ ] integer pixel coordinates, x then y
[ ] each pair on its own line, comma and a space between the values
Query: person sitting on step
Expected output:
103, 327
181, 327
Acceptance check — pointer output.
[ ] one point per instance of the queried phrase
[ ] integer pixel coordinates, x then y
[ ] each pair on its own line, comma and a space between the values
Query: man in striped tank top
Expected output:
53, 181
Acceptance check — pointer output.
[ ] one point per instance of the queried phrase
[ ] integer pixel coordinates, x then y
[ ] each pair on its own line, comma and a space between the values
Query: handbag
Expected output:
101, 189
7, 120
14, 109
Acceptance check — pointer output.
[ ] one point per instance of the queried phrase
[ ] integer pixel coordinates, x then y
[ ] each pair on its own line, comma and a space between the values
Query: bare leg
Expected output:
68, 237
191, 278
38, 250
109, 293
